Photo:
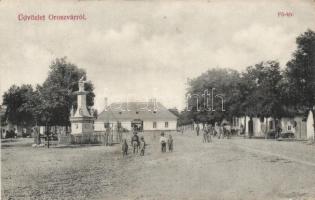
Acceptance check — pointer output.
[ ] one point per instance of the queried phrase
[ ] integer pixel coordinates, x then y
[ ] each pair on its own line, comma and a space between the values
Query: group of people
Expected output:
138, 144
210, 130
166, 141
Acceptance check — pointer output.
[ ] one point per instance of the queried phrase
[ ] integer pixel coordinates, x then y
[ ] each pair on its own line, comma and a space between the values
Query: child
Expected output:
142, 146
124, 148
170, 143
163, 141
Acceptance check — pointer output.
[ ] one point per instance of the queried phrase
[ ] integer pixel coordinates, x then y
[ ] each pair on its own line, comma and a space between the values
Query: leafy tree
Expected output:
57, 92
300, 73
184, 118
209, 89
19, 104
256, 92
261, 90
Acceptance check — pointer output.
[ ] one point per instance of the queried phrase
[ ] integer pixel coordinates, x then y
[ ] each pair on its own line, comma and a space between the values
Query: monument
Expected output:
81, 120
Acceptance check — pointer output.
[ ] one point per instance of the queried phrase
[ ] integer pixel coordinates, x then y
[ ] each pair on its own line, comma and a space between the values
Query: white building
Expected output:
299, 125
140, 116
310, 126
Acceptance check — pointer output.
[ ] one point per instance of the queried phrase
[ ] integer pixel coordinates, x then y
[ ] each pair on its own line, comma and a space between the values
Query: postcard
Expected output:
157, 100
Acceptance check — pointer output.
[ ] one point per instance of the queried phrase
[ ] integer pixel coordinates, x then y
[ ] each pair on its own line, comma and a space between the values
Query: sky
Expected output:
138, 50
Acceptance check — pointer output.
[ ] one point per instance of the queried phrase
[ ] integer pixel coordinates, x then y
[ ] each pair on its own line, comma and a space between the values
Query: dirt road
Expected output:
224, 169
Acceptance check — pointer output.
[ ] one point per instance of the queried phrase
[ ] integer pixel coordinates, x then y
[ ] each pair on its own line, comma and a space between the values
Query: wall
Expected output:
300, 129
310, 126
100, 126
81, 127
160, 125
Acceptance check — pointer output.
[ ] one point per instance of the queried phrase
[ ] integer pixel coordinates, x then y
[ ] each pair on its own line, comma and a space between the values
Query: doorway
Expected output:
137, 125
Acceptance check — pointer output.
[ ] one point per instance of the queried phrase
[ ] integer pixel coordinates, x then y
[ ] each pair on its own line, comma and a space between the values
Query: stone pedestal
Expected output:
80, 125
81, 121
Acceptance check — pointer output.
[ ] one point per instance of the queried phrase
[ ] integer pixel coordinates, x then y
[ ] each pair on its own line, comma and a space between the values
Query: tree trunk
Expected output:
245, 125
47, 135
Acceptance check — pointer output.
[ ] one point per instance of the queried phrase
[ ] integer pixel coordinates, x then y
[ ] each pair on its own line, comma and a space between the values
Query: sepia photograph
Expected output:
157, 100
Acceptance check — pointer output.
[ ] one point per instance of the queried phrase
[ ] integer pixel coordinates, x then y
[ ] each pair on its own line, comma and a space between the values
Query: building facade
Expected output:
138, 116
302, 127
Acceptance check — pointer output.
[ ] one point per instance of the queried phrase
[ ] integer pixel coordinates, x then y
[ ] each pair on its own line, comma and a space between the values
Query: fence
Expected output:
98, 137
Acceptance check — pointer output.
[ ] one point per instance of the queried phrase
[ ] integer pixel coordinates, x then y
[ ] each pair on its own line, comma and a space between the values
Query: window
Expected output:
270, 124
166, 124
289, 128
262, 119
154, 124
106, 125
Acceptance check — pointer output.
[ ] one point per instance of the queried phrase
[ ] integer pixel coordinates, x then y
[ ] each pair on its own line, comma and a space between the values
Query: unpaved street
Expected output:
224, 169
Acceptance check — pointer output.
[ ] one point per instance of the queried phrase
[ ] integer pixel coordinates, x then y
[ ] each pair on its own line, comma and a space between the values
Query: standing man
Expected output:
197, 129
210, 132
135, 142
205, 133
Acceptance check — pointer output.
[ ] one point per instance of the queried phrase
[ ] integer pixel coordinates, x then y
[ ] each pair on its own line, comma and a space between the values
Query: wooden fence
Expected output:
98, 137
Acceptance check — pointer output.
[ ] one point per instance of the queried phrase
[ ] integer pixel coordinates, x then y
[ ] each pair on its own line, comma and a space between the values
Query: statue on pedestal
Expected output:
81, 120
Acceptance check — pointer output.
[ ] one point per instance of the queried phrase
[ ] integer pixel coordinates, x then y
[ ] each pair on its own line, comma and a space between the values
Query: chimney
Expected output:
153, 104
105, 103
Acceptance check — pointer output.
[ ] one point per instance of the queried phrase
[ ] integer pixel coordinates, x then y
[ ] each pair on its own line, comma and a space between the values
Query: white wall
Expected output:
81, 127
126, 125
100, 126
310, 126
285, 123
160, 125
257, 127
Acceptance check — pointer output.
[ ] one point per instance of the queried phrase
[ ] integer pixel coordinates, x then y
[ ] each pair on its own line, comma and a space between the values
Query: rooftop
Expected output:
120, 111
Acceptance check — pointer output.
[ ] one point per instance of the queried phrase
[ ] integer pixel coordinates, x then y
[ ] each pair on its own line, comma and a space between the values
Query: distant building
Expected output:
310, 126
300, 125
139, 116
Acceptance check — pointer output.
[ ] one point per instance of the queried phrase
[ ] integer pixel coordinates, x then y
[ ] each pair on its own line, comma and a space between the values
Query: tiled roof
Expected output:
135, 110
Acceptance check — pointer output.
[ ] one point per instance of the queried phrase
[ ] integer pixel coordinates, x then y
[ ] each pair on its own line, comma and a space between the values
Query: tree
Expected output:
300, 73
19, 105
184, 118
57, 92
261, 90
256, 92
207, 92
